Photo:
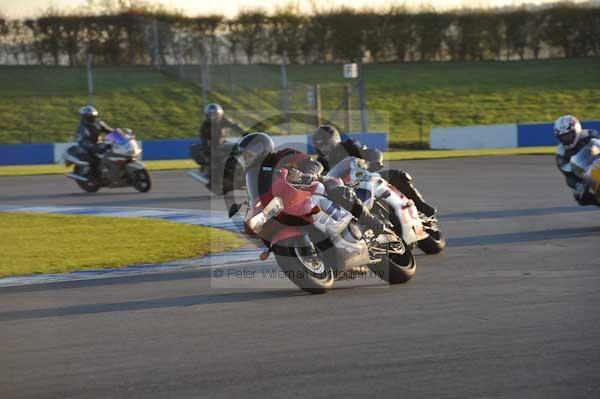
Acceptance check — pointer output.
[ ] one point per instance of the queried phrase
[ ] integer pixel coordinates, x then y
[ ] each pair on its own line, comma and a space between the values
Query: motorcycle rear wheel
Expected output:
90, 186
289, 255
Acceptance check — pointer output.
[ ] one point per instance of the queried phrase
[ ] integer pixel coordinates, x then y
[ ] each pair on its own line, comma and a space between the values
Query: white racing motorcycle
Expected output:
386, 201
118, 164
586, 165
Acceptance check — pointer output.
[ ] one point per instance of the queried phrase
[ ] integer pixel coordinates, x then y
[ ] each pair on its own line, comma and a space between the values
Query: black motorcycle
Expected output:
220, 171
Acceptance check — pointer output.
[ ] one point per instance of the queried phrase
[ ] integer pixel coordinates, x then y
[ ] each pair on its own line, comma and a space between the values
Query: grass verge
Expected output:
32, 170
38, 243
55, 169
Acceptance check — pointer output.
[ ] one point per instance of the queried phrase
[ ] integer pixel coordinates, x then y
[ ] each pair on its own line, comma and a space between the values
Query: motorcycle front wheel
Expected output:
396, 268
434, 244
304, 266
141, 181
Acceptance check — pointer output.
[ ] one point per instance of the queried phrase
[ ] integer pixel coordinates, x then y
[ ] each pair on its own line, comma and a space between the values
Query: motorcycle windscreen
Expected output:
258, 182
115, 137
342, 169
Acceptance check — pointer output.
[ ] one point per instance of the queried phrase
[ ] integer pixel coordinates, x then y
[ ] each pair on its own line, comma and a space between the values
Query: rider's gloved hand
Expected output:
331, 182
375, 166
294, 176
100, 147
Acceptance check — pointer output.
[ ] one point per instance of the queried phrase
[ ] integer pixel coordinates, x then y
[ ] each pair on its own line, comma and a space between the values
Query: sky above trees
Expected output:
27, 8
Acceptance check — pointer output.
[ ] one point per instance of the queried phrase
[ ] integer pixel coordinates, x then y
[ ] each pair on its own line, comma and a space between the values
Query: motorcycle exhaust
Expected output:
73, 160
198, 177
77, 177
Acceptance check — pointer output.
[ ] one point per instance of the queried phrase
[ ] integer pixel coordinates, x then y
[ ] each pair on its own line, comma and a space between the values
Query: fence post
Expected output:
90, 79
285, 100
317, 91
348, 107
421, 122
364, 123
156, 44
204, 73
181, 58
231, 82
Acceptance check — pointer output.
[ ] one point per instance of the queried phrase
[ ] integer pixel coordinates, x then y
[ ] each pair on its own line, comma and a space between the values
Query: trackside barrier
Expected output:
458, 138
30, 154
542, 134
166, 149
498, 136
26, 154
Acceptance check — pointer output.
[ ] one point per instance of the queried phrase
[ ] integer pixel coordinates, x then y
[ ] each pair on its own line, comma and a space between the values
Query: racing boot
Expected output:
403, 181
583, 196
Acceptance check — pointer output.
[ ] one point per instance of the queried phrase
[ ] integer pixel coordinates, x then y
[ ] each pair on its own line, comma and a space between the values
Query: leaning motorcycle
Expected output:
117, 164
314, 240
586, 165
385, 200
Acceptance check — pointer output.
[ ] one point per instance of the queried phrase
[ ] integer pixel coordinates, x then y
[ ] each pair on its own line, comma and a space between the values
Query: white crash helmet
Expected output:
567, 130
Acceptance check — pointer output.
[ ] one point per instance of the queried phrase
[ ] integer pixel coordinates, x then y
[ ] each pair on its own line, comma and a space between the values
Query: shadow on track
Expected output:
117, 280
182, 301
511, 213
526, 236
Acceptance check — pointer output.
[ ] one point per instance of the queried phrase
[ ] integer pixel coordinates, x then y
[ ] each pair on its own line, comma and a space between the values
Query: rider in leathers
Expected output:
332, 149
88, 134
258, 150
212, 133
572, 138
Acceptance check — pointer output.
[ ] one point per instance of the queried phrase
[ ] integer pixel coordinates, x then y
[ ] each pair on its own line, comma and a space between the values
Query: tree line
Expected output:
141, 35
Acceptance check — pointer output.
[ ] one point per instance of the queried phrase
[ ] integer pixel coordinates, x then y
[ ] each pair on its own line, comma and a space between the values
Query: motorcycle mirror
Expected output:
233, 209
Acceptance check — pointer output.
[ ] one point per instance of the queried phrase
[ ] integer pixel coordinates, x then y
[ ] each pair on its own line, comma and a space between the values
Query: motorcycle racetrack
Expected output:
509, 309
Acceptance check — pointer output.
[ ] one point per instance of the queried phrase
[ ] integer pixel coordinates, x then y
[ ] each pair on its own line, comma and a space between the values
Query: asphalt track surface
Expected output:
510, 309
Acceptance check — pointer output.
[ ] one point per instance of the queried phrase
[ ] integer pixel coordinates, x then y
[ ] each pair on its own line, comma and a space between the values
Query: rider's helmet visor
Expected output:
248, 158
324, 145
567, 138
91, 118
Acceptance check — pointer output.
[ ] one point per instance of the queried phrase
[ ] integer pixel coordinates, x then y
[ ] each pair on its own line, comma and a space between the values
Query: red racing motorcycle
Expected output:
314, 240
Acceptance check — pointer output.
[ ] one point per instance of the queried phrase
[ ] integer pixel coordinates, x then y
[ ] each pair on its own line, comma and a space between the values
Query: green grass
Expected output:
460, 94
40, 103
37, 243
31, 170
